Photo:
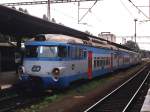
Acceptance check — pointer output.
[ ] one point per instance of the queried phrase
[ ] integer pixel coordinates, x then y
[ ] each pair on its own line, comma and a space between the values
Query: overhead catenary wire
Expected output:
126, 8
88, 11
138, 9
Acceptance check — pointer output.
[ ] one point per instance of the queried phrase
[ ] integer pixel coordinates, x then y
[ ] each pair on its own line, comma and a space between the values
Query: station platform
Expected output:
7, 79
146, 104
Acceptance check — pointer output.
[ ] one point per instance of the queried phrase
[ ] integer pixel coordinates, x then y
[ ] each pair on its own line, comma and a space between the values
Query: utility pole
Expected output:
149, 9
48, 10
135, 20
78, 12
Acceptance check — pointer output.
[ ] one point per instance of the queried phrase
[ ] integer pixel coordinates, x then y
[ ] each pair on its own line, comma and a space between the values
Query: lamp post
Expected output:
48, 10
135, 20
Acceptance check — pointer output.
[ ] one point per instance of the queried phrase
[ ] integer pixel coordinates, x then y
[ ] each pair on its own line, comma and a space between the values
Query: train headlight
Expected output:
20, 71
56, 73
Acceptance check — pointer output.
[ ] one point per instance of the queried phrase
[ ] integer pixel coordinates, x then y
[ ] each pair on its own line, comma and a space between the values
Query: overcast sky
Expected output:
116, 16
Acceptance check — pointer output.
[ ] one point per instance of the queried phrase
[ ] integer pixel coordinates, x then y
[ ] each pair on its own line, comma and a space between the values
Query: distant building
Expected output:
108, 36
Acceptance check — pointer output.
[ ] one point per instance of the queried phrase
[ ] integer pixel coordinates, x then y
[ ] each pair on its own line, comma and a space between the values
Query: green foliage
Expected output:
132, 45
51, 98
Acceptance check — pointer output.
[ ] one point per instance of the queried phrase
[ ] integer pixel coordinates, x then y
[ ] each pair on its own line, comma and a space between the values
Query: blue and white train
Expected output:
56, 60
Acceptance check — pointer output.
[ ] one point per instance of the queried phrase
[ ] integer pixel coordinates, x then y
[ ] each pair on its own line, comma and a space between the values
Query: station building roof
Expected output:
16, 23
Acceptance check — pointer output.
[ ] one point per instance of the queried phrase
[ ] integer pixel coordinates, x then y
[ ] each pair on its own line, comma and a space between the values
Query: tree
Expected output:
45, 17
53, 20
26, 11
132, 45
23, 10
87, 32
14, 8
61, 24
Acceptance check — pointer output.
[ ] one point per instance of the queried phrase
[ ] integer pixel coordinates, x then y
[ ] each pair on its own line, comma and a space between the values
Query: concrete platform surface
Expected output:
8, 78
146, 104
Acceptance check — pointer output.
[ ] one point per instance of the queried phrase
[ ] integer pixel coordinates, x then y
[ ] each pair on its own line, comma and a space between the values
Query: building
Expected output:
108, 36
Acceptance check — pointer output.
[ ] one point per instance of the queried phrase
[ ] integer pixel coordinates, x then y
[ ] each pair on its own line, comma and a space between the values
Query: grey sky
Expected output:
114, 16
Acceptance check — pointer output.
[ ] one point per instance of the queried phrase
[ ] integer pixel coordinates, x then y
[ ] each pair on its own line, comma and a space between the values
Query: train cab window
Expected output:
31, 51
46, 51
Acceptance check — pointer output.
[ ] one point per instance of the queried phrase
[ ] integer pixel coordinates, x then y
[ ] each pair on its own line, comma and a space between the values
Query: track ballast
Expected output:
127, 97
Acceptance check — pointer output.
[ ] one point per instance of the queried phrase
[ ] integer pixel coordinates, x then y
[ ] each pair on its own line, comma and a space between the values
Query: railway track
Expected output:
10, 100
128, 97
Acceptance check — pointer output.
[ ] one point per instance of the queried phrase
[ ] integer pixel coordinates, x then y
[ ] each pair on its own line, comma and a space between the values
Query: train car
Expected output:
55, 60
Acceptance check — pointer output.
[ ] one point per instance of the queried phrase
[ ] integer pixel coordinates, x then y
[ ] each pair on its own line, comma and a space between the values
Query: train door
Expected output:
89, 64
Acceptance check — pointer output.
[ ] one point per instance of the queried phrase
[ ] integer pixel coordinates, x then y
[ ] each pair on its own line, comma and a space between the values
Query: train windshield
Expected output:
46, 51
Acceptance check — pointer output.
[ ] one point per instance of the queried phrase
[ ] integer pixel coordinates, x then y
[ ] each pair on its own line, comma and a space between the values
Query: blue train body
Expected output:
57, 60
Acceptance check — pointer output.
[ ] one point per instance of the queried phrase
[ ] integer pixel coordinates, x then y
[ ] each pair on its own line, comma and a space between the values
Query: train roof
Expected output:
95, 42
72, 40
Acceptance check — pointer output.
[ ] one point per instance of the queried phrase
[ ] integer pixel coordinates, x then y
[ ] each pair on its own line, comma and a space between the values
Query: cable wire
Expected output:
138, 9
126, 8
88, 11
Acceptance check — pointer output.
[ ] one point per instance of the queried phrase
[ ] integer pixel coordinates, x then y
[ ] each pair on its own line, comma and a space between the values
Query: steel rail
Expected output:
129, 103
102, 99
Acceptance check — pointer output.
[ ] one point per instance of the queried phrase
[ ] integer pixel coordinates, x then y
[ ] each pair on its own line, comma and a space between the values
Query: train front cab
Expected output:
73, 65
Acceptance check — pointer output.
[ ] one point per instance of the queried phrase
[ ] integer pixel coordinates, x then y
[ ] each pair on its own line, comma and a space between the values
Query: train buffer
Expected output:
146, 104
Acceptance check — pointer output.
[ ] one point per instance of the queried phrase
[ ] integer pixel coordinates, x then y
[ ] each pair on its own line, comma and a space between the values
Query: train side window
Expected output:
72, 52
62, 52
69, 52
85, 54
107, 61
81, 53
94, 63
98, 63
103, 62
78, 53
